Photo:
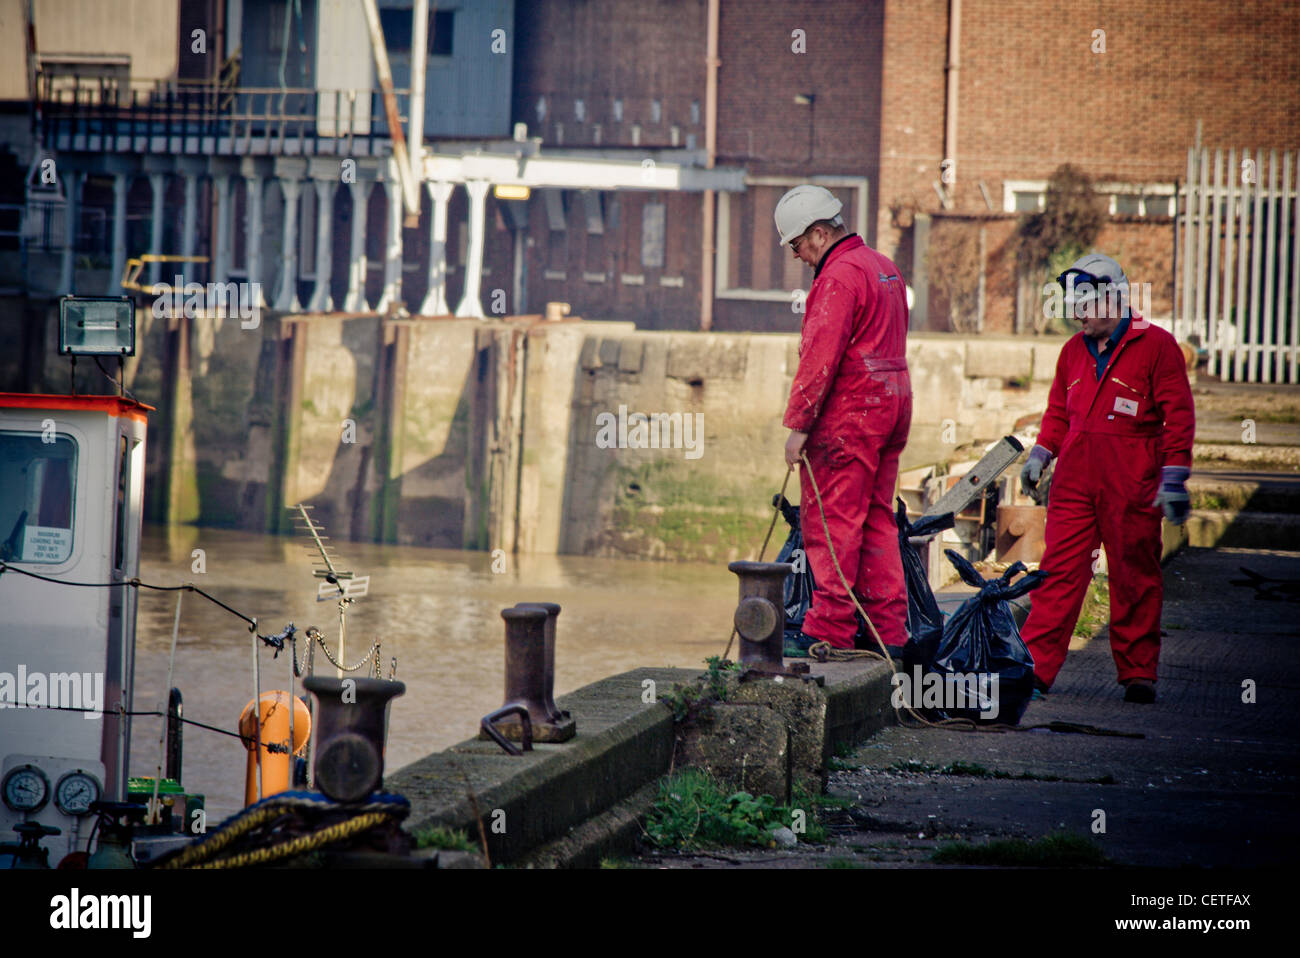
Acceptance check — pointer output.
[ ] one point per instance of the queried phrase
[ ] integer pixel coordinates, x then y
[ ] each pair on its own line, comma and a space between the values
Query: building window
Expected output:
1122, 199
1028, 202
396, 24
37, 490
751, 262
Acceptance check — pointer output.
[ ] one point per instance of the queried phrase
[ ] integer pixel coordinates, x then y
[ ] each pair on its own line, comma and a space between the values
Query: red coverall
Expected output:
852, 395
1111, 439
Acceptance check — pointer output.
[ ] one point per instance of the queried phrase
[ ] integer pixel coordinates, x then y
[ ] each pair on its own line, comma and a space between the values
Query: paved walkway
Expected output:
1213, 782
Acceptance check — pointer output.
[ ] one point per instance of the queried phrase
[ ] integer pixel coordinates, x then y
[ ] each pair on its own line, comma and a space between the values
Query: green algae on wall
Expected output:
668, 508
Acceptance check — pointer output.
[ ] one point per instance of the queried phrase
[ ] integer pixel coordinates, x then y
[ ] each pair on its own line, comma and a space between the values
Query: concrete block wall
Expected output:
460, 433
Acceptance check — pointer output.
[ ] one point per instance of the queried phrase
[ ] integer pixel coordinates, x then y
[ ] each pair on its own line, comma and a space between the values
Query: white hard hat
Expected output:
802, 207
1085, 277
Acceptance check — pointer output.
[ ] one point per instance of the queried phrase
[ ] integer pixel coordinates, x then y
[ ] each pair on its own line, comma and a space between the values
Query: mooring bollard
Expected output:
760, 616
553, 712
351, 727
530, 674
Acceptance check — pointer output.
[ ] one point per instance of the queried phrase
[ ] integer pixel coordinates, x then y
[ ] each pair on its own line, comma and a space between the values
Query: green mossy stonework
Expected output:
669, 508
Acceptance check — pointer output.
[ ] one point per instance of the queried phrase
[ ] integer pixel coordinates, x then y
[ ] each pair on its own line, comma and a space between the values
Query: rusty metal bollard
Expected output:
1020, 533
351, 720
530, 675
553, 712
760, 616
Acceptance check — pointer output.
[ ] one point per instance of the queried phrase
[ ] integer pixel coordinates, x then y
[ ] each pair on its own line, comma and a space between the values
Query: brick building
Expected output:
856, 94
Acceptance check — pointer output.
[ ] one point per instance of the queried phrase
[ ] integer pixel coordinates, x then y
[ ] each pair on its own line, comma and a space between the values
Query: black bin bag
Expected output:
981, 650
924, 620
800, 584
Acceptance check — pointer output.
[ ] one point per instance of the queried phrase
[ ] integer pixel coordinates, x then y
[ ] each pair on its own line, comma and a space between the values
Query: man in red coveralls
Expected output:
1120, 421
850, 408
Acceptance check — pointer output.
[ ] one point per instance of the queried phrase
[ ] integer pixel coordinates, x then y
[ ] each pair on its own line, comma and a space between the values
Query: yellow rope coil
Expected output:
301, 844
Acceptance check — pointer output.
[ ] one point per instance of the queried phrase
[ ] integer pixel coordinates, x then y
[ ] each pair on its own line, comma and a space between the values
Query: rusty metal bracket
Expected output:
488, 725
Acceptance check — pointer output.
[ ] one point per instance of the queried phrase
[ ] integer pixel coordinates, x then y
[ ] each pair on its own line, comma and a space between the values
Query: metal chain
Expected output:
315, 638
335, 662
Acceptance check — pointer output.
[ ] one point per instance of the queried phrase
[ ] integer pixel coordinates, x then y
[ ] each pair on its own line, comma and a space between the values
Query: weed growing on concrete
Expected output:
693, 703
1056, 850
444, 838
1096, 608
693, 810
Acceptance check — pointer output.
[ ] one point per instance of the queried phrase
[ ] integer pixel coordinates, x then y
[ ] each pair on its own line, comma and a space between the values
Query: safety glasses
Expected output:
1073, 279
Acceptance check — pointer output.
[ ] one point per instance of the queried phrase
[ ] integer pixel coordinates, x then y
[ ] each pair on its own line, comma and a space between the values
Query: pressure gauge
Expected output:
25, 788
75, 792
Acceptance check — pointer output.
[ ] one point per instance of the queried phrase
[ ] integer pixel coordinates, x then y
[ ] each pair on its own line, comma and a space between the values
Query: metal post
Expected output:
1267, 347
1243, 239
175, 735
1202, 231
1223, 368
1295, 285
1256, 251
1184, 313
1211, 319
1286, 344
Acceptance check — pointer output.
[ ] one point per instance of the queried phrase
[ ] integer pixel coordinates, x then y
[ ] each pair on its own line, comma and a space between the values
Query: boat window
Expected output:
37, 484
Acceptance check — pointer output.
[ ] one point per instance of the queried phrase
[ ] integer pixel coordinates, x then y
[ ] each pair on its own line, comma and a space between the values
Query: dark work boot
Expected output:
1142, 691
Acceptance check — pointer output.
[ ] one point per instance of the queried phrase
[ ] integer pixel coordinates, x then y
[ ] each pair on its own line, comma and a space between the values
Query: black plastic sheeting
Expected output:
980, 640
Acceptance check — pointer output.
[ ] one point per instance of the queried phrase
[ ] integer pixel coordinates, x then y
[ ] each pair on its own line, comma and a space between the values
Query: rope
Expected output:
134, 583
202, 854
304, 843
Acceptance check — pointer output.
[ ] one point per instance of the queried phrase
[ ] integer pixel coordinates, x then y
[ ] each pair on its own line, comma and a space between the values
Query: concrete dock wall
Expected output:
519, 435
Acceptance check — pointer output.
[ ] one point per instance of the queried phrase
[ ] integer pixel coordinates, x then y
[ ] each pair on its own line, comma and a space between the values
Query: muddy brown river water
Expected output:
437, 611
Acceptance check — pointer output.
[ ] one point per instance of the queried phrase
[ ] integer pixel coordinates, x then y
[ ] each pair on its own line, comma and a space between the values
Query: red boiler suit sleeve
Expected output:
827, 328
1055, 423
1172, 394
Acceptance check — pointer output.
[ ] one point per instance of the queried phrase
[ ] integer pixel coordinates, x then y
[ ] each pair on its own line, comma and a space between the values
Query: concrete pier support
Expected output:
121, 183
223, 254
470, 304
356, 298
158, 188
393, 243
286, 299
189, 234
435, 300
72, 183
253, 184
321, 301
